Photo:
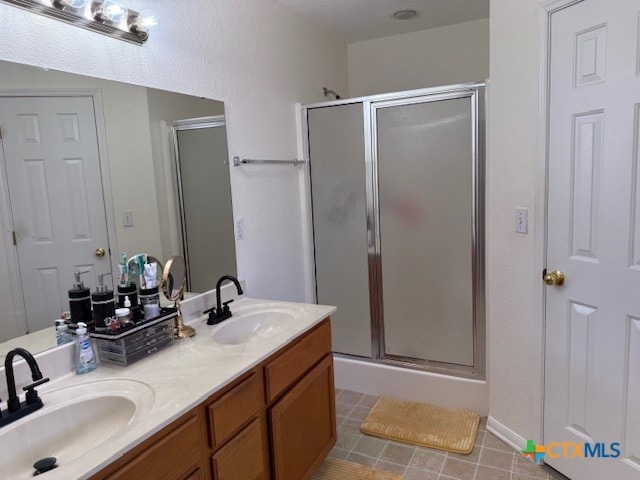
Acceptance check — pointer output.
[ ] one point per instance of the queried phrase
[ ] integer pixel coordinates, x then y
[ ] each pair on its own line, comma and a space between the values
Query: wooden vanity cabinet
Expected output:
174, 453
238, 447
276, 422
303, 427
299, 390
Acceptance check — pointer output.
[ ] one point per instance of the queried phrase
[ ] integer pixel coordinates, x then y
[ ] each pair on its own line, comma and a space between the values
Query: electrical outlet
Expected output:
521, 220
127, 218
239, 228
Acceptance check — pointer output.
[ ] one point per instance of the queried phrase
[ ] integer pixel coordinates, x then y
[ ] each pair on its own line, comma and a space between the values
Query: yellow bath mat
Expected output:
449, 429
333, 469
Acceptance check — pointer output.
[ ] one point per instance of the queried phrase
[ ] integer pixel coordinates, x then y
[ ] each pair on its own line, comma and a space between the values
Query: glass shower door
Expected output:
338, 191
425, 155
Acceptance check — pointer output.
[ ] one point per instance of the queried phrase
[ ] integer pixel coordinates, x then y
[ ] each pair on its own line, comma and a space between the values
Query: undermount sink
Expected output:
253, 323
73, 421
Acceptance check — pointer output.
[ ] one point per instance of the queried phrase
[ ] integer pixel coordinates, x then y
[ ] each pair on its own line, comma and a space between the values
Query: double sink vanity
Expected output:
250, 398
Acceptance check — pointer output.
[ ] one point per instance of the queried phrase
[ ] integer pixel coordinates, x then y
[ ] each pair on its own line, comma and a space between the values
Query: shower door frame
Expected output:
370, 104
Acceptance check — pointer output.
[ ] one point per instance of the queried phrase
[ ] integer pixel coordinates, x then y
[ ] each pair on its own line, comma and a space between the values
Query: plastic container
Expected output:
85, 357
123, 315
150, 302
138, 345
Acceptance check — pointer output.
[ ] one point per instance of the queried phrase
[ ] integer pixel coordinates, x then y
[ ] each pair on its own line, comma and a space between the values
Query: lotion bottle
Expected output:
85, 358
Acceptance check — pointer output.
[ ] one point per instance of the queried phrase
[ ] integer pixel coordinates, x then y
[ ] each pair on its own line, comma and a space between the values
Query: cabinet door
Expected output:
170, 458
303, 424
242, 458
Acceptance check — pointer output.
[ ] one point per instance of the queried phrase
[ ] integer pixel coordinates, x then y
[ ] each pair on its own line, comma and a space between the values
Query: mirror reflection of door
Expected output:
55, 198
204, 191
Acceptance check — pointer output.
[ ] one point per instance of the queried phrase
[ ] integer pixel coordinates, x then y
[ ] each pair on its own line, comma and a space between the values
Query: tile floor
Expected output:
491, 458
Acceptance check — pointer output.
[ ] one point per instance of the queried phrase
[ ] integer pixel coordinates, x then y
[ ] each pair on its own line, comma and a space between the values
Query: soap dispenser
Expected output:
104, 304
62, 333
85, 358
80, 300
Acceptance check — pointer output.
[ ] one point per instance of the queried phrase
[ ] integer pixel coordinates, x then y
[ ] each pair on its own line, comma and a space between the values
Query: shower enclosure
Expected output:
397, 195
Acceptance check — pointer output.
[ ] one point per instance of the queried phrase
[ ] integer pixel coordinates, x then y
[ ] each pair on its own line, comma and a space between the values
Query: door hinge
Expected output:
15, 240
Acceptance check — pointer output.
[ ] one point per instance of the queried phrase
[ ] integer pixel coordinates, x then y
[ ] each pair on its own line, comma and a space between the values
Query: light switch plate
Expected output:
127, 218
521, 220
239, 228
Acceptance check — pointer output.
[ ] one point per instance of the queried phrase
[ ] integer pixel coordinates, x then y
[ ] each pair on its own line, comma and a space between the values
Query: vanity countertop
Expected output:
181, 377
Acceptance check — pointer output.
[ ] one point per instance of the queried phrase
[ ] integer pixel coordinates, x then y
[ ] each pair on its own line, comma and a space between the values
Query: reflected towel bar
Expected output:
295, 162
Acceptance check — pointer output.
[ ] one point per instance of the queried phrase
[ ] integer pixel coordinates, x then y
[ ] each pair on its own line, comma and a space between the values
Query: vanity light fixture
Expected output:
109, 17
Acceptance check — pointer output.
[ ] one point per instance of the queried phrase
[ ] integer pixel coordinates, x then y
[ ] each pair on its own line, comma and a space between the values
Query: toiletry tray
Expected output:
137, 342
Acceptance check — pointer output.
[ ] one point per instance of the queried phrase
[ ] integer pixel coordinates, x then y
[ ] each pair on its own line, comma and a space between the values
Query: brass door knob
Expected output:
554, 278
100, 252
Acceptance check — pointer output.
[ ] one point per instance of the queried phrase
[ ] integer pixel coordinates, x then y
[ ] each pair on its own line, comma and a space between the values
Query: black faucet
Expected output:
221, 311
15, 409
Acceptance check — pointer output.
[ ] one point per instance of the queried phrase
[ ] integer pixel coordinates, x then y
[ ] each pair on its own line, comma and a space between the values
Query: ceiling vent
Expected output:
406, 14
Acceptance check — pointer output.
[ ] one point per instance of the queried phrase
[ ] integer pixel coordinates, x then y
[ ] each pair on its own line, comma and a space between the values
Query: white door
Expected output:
53, 172
592, 364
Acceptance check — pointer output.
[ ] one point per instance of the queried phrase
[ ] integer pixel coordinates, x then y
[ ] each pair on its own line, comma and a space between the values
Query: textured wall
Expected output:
514, 336
256, 56
437, 56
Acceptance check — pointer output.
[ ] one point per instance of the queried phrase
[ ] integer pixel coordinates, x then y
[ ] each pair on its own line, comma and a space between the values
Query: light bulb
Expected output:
145, 21
114, 10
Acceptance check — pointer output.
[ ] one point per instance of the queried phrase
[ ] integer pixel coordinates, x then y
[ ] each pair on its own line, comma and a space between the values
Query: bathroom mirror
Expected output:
89, 169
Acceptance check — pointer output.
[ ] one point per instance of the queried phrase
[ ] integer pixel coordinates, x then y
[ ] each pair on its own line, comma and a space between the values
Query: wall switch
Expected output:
127, 218
521, 220
239, 228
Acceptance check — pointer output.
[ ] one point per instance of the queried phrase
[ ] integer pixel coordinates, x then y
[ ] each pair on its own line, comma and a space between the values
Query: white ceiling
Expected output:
358, 20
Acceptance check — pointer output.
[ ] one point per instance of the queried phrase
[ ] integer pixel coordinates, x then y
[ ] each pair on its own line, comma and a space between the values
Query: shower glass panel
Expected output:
424, 150
337, 165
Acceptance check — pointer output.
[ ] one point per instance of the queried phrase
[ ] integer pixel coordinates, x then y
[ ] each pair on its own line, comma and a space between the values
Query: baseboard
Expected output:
505, 434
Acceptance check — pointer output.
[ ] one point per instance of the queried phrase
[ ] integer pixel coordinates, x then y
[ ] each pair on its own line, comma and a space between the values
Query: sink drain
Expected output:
44, 465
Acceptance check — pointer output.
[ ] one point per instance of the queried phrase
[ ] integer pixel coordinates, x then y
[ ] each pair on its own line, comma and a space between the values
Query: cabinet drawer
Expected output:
292, 364
242, 458
195, 475
303, 427
171, 458
233, 410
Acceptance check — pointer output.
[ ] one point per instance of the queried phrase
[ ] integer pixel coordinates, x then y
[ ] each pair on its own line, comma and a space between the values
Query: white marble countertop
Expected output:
181, 377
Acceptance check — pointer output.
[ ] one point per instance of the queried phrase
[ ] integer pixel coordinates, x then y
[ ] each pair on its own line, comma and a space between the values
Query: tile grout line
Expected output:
446, 455
513, 465
409, 463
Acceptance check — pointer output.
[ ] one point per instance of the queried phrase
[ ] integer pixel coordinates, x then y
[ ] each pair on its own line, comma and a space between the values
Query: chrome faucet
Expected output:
221, 311
15, 409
